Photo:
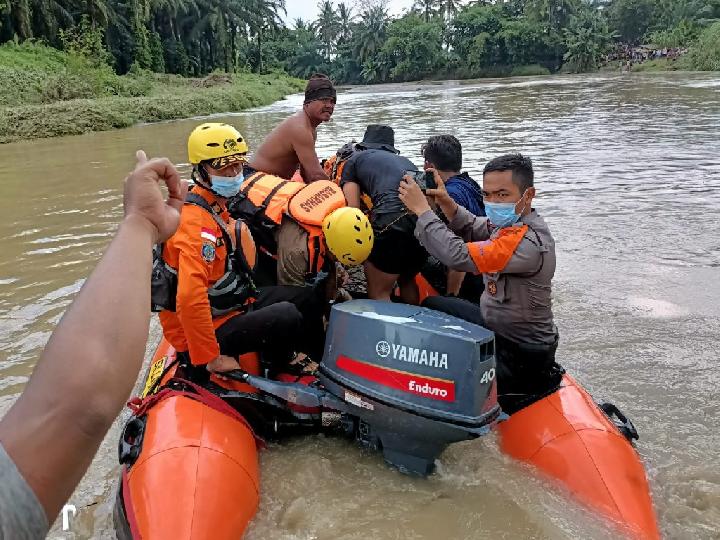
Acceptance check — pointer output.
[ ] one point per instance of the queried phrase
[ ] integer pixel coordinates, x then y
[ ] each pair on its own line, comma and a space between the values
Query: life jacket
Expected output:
232, 291
334, 165
264, 199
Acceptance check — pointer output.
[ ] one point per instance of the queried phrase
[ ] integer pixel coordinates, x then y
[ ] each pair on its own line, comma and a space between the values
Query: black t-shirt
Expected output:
378, 173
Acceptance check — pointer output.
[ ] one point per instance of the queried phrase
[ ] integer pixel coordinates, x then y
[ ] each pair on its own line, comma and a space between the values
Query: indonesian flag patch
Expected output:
208, 234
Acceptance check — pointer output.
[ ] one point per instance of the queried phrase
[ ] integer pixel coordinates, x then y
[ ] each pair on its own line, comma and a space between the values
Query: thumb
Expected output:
141, 158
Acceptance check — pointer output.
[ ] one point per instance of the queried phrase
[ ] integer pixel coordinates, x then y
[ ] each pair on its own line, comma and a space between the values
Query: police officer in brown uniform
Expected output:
515, 253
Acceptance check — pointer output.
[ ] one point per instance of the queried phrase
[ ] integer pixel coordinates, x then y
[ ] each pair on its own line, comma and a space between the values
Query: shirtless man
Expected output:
292, 143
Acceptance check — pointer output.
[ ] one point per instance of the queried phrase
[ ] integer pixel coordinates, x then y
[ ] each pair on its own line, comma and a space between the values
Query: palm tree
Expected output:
449, 8
555, 13
344, 17
327, 26
20, 19
49, 16
426, 7
262, 16
369, 36
299, 24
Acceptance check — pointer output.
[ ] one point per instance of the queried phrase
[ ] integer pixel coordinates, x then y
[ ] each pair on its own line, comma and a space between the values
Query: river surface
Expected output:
628, 178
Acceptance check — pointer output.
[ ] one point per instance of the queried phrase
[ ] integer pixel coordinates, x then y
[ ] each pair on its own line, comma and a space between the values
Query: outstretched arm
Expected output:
91, 362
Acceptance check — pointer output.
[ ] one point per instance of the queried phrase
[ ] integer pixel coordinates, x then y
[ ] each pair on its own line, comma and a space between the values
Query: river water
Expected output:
628, 178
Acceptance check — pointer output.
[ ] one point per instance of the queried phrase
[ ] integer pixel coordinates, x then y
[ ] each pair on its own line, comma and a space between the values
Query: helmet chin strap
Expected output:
205, 177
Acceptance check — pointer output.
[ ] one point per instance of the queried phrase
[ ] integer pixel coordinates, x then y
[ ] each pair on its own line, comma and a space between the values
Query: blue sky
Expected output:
308, 10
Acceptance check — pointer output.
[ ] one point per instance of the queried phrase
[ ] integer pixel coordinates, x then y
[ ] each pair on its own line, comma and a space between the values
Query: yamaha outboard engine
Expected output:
413, 380
405, 380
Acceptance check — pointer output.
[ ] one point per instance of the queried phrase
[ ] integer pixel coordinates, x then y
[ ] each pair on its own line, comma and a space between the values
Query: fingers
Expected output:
176, 197
438, 179
166, 171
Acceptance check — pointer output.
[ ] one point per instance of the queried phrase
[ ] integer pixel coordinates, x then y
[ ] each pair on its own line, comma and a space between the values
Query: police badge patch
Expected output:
208, 252
492, 287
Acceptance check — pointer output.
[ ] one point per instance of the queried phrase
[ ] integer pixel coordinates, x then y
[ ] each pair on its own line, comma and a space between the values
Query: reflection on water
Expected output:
628, 176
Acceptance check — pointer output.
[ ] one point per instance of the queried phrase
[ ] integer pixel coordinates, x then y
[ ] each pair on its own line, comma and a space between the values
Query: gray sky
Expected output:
308, 10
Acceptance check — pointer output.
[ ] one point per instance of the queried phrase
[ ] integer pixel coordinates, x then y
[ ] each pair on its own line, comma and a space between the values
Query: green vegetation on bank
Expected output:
45, 93
357, 41
73, 66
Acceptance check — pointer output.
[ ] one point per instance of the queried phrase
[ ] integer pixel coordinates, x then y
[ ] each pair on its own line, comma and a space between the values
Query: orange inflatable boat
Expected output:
573, 441
189, 453
188, 458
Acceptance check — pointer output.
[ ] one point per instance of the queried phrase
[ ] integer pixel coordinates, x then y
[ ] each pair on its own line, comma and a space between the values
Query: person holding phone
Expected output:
514, 251
444, 154
376, 169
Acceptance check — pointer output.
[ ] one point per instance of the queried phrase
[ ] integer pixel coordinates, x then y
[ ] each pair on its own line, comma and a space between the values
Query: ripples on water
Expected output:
628, 176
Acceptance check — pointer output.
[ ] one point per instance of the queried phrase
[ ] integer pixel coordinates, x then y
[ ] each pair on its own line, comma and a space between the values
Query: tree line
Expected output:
354, 43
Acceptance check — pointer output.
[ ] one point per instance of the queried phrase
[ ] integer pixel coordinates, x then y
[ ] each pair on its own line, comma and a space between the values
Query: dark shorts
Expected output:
397, 252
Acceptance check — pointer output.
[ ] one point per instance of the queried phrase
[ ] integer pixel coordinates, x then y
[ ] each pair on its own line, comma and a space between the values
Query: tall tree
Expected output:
449, 8
554, 13
327, 25
369, 37
344, 21
631, 19
21, 18
426, 7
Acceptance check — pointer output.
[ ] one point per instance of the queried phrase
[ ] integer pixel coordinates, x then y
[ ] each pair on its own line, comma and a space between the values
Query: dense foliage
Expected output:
360, 42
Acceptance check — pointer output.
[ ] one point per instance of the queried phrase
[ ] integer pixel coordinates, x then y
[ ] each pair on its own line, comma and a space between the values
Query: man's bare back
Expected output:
292, 143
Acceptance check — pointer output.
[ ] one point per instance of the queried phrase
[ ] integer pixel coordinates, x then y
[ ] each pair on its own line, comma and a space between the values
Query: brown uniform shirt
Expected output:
517, 301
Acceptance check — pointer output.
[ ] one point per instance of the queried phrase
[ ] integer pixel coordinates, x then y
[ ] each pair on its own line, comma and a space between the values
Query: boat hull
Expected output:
196, 475
571, 440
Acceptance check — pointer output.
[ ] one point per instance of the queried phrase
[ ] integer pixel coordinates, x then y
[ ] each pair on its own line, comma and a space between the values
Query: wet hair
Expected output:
444, 152
521, 166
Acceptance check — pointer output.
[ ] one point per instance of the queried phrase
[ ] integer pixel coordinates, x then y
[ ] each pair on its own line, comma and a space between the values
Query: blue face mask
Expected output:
502, 214
227, 186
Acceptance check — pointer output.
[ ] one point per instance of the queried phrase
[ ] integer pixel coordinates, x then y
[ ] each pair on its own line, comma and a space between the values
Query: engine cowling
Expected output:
414, 379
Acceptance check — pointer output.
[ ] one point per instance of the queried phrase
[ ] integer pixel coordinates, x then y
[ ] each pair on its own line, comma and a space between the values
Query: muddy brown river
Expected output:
628, 177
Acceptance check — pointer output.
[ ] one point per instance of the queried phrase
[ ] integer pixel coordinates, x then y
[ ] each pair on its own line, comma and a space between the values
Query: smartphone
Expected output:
424, 179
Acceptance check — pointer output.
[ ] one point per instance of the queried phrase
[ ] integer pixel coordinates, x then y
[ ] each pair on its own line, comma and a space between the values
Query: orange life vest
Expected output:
264, 199
334, 166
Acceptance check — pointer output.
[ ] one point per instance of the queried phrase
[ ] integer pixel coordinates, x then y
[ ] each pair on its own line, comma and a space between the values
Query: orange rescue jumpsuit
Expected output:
198, 253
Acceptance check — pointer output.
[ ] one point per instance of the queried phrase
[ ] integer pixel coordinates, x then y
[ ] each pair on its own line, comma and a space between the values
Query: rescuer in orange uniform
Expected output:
215, 317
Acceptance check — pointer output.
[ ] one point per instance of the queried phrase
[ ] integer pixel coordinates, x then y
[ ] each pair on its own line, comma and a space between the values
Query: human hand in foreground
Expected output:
143, 199
441, 197
412, 196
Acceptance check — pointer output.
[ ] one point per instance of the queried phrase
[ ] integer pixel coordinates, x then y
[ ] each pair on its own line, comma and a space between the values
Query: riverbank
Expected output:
48, 93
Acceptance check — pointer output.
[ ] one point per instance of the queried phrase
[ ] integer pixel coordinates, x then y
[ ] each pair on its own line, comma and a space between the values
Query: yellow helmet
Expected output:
215, 141
348, 235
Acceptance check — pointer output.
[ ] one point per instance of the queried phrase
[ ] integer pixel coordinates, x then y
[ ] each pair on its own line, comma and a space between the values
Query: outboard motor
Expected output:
414, 380
404, 380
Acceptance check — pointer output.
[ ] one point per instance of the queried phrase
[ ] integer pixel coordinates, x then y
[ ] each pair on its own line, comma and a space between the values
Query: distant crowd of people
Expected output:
629, 55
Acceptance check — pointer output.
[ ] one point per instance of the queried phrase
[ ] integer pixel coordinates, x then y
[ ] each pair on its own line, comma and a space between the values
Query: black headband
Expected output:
319, 89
